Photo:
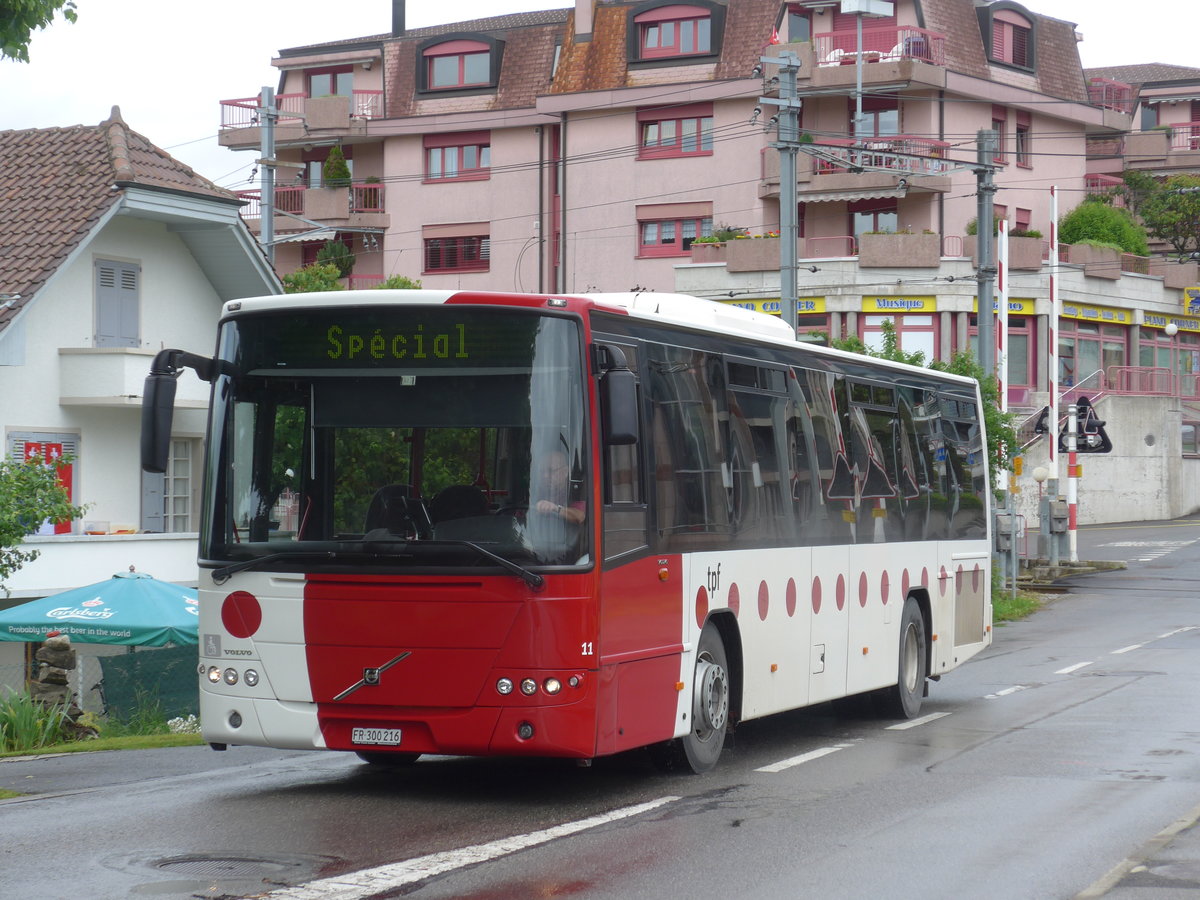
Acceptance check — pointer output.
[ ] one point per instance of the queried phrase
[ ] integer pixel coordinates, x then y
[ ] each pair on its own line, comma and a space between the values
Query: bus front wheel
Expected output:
700, 748
903, 701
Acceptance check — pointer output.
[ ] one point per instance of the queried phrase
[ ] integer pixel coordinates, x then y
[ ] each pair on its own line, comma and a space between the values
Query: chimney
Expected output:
583, 20
397, 18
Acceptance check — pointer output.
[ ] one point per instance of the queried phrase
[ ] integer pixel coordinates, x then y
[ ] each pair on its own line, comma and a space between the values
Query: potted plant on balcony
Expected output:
710, 248
335, 172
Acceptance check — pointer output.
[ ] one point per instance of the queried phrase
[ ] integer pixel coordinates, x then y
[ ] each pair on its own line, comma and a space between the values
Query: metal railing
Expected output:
1111, 94
880, 45
243, 112
364, 198
1185, 136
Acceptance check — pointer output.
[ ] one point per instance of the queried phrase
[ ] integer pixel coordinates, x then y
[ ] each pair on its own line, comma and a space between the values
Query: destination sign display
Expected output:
390, 338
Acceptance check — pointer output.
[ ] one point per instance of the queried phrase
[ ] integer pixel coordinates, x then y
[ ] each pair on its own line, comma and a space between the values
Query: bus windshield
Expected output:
398, 437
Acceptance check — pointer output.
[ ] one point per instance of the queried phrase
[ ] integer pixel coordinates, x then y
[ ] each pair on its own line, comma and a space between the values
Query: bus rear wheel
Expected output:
700, 748
903, 700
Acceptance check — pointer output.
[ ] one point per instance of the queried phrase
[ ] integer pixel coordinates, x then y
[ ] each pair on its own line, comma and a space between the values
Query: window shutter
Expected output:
1020, 46
117, 304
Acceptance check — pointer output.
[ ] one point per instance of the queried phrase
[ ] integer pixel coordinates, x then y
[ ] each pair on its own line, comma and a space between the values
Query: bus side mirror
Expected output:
618, 399
158, 408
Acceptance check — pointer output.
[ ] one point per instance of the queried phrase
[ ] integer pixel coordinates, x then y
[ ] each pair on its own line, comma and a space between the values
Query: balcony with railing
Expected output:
1114, 95
888, 54
886, 44
359, 206
299, 117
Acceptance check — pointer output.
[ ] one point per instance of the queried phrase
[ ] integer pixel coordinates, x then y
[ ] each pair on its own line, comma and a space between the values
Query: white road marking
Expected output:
904, 726
1006, 692
368, 882
802, 758
1069, 669
1127, 649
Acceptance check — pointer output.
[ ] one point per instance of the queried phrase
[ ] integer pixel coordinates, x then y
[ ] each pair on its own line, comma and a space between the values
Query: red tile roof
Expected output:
56, 183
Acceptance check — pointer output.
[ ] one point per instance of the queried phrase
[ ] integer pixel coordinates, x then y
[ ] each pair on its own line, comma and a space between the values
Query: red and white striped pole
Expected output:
1052, 371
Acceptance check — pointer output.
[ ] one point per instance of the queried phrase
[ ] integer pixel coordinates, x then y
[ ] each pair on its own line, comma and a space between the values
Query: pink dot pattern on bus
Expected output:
904, 584
816, 595
841, 593
735, 600
701, 606
942, 582
789, 597
241, 614
883, 587
976, 575
862, 590
764, 601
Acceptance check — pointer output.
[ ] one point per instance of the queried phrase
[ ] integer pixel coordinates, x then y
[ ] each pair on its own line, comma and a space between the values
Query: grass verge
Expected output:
127, 742
1009, 608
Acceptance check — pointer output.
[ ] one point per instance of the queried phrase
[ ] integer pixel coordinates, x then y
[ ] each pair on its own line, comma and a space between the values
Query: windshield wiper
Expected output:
533, 579
221, 575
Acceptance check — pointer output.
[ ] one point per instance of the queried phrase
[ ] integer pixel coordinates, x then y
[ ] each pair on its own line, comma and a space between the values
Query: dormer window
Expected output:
1010, 35
675, 31
464, 62
661, 30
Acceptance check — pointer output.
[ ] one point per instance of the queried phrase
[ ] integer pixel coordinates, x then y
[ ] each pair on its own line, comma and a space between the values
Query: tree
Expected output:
1001, 434
317, 277
334, 171
18, 19
1171, 211
1098, 222
29, 494
336, 253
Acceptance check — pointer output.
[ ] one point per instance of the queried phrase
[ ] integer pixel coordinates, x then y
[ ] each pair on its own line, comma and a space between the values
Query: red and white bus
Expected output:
442, 522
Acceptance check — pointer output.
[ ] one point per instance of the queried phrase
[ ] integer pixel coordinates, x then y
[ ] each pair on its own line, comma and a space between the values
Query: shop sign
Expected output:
804, 305
1097, 314
899, 304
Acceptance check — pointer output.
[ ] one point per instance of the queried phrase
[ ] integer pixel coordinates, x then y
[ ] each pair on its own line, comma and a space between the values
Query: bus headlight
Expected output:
214, 674
251, 677
231, 676
504, 686
528, 687
552, 686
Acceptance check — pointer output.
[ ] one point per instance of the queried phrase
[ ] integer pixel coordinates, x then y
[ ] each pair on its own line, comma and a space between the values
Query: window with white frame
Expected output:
671, 237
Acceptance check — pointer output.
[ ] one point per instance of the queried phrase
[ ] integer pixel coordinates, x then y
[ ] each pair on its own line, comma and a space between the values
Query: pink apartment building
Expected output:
588, 148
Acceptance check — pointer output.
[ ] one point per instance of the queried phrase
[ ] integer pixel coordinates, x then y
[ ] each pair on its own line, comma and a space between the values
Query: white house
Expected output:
110, 250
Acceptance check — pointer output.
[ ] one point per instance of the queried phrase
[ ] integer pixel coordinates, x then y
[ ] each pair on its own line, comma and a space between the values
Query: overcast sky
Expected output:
168, 64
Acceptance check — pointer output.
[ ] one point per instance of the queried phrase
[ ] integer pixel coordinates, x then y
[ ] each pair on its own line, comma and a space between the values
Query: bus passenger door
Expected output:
830, 611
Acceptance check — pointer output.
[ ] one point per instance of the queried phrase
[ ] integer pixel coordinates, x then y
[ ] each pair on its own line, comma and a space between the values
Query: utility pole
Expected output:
788, 145
986, 273
269, 115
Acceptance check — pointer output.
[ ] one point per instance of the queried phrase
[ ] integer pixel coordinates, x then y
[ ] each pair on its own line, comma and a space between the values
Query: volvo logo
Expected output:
372, 675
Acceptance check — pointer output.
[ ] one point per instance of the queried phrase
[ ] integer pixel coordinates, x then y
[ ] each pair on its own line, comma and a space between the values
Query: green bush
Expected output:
1096, 221
400, 283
